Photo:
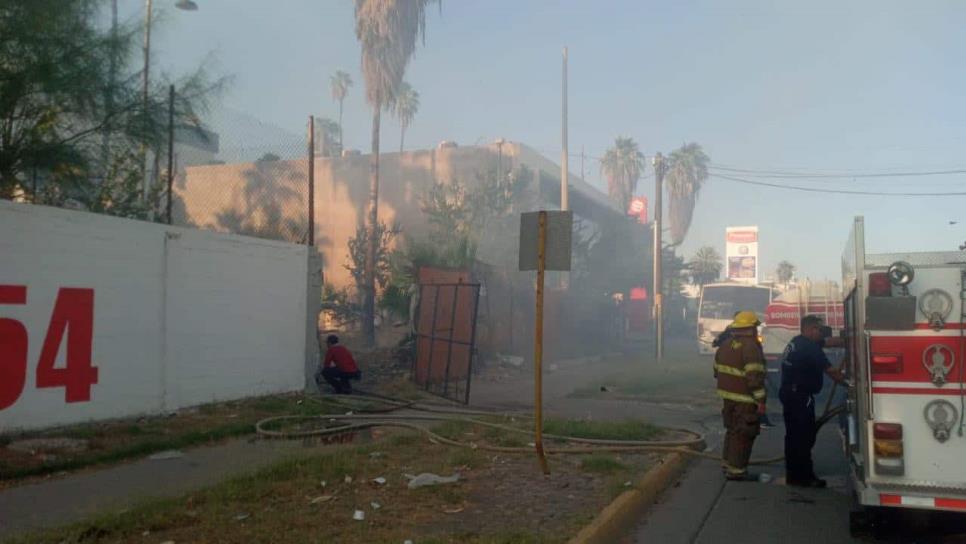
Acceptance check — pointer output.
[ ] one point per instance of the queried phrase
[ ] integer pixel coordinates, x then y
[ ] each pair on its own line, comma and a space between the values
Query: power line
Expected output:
786, 174
827, 191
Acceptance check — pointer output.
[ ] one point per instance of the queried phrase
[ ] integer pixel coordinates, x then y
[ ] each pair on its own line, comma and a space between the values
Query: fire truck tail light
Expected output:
887, 431
887, 363
888, 449
879, 285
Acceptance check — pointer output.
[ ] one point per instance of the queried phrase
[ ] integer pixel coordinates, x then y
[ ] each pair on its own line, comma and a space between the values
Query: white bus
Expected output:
720, 302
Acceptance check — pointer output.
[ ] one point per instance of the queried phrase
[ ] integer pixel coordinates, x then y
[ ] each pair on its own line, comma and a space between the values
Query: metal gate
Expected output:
446, 339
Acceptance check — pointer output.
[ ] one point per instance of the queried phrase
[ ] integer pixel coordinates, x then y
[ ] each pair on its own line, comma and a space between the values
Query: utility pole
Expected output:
170, 151
145, 82
311, 211
564, 196
658, 255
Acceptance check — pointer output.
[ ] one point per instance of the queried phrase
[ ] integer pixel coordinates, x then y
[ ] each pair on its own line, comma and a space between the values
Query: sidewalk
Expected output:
705, 509
74, 497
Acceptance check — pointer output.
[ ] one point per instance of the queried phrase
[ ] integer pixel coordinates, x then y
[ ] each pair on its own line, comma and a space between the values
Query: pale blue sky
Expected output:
818, 86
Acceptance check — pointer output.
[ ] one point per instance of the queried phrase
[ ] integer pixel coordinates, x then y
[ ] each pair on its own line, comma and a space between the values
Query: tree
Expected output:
623, 165
405, 107
339, 83
705, 266
785, 272
68, 119
387, 31
687, 173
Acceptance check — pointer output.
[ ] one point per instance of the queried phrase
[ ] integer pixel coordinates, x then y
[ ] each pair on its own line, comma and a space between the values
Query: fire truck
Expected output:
904, 329
783, 316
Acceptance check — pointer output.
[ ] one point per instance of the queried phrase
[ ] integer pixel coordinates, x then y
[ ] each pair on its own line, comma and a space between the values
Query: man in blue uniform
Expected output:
804, 365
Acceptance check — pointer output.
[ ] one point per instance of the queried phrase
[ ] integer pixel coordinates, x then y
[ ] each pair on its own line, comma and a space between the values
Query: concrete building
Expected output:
269, 198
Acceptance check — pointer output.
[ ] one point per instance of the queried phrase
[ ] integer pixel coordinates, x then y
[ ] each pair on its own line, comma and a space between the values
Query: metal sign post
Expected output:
545, 239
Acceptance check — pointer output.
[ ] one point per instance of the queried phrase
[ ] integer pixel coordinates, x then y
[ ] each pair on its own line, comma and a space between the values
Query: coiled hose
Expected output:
694, 445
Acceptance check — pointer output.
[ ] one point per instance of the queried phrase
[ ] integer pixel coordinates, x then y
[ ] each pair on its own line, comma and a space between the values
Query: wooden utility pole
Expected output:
658, 256
538, 344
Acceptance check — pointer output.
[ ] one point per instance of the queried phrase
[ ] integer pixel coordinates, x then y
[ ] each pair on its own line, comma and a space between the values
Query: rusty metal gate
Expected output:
446, 339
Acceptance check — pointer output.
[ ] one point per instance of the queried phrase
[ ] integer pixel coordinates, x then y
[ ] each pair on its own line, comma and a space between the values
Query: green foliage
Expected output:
785, 272
705, 266
687, 173
340, 304
623, 165
385, 234
72, 108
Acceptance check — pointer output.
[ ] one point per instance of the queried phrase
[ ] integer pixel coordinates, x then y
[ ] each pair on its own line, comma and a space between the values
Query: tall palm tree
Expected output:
406, 107
623, 165
340, 82
387, 31
785, 272
705, 266
687, 173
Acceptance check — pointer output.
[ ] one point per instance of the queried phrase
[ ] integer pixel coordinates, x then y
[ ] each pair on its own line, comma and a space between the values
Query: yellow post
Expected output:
538, 345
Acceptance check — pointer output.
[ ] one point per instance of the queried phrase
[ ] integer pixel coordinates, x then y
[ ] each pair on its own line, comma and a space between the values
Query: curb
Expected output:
620, 515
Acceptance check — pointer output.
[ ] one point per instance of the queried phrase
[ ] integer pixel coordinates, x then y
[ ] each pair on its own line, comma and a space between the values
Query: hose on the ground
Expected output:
370, 417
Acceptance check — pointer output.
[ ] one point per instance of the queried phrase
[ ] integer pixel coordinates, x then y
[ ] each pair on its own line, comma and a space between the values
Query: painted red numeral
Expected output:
73, 314
13, 348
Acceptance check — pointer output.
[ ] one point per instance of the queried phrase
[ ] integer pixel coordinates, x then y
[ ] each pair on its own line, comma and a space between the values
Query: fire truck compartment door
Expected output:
890, 313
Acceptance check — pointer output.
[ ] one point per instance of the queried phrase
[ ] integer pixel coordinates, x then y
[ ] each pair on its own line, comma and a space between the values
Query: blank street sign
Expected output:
559, 231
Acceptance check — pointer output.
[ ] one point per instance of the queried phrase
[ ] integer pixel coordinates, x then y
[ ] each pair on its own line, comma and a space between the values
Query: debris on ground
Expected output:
379, 481
242, 517
359, 515
511, 360
428, 479
375, 505
166, 454
348, 479
322, 498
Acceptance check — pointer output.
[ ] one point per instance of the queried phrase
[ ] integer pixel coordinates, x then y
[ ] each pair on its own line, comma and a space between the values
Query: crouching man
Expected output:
338, 367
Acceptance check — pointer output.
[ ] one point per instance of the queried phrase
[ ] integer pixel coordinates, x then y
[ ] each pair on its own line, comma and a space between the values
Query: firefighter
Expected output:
803, 365
739, 366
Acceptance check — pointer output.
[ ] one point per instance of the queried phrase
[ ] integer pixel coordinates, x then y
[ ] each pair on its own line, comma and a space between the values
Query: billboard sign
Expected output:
741, 254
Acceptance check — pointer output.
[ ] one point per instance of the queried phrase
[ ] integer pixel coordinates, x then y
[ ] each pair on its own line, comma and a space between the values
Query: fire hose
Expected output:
693, 445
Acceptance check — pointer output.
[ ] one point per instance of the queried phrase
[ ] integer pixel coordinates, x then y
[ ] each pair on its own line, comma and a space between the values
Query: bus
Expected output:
718, 305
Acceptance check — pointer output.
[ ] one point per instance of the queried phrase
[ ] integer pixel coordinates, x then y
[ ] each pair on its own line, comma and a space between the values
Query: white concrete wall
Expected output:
181, 316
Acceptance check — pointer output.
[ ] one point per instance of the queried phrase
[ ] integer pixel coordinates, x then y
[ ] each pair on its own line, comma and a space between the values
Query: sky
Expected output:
814, 87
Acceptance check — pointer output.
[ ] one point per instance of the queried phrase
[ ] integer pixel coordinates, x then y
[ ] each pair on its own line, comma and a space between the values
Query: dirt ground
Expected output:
499, 498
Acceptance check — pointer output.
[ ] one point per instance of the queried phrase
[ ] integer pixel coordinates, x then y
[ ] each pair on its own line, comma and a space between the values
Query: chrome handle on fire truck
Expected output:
868, 374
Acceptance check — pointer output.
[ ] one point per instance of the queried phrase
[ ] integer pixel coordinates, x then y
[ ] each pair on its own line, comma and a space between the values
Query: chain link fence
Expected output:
243, 176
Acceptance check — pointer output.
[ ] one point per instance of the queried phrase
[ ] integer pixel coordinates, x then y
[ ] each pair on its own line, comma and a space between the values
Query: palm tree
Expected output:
687, 173
784, 272
406, 107
387, 31
340, 82
623, 165
705, 266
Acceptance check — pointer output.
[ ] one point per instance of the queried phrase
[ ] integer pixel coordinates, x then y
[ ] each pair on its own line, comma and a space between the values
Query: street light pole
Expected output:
145, 82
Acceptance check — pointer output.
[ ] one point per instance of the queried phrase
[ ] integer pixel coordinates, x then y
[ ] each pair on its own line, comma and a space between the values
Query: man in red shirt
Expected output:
338, 367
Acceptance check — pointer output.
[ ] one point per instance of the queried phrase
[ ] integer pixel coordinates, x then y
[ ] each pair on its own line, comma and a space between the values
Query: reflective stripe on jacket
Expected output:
740, 367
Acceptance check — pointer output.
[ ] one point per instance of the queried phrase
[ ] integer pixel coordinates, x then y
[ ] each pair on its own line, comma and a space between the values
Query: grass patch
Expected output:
602, 464
111, 442
628, 429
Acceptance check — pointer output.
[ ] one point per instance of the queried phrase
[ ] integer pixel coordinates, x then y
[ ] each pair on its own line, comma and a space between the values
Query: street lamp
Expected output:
186, 5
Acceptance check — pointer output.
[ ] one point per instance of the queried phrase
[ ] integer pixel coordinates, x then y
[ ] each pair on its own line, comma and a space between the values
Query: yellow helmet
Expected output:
745, 319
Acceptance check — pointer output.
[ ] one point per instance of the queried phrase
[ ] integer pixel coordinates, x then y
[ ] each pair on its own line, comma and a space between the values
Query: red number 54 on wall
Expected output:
74, 315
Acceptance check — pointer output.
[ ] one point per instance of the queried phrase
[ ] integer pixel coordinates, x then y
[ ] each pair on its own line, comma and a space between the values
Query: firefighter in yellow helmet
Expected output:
739, 366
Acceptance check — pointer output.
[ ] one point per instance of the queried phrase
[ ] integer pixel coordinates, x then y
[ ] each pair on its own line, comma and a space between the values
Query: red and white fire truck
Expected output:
904, 435
783, 316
